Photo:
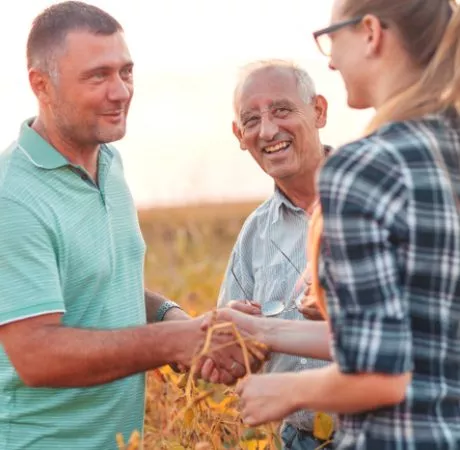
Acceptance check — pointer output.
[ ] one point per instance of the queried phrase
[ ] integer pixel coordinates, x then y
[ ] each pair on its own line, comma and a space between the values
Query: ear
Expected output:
373, 34
320, 111
40, 84
239, 135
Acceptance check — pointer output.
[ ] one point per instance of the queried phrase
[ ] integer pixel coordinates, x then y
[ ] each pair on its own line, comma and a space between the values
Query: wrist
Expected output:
187, 345
175, 313
164, 308
302, 389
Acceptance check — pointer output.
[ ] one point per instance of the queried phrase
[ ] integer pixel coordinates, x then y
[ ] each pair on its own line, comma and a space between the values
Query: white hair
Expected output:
305, 83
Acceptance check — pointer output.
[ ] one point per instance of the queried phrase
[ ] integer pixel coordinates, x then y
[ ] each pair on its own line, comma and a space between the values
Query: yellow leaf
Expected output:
254, 444
120, 441
176, 446
188, 417
323, 426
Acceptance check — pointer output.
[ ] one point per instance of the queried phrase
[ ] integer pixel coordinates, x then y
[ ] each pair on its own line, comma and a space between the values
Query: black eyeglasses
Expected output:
323, 39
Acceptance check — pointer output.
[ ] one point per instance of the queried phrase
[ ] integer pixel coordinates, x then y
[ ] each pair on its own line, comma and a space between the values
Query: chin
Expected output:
107, 136
281, 174
357, 101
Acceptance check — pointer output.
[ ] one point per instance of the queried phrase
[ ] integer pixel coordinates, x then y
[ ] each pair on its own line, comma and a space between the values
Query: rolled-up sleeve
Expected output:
364, 198
29, 275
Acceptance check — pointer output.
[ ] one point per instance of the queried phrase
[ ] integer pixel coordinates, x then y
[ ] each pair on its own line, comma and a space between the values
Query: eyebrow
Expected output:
105, 68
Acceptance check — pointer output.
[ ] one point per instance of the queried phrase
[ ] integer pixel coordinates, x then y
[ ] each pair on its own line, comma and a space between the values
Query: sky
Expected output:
179, 147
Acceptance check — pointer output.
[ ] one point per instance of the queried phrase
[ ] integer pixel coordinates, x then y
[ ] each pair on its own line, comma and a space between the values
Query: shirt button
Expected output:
303, 360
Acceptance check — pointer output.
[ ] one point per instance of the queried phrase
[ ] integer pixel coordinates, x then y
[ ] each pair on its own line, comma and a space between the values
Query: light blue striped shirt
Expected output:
265, 274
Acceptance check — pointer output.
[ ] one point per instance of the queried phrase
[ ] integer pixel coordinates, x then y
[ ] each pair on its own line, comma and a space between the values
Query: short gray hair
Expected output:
50, 28
305, 82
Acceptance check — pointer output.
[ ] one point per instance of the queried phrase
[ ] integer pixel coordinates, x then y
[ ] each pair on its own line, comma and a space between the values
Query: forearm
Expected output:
303, 338
327, 389
153, 301
57, 356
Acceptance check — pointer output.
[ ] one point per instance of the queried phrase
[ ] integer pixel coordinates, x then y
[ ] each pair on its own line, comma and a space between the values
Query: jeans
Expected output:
294, 439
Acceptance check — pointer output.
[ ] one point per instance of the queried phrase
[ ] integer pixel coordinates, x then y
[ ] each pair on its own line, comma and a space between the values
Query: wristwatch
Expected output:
164, 308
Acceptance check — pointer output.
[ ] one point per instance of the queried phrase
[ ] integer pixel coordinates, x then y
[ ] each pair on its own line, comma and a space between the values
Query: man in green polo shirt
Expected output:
73, 311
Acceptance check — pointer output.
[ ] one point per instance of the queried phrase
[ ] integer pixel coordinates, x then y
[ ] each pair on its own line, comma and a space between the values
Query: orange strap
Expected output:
313, 253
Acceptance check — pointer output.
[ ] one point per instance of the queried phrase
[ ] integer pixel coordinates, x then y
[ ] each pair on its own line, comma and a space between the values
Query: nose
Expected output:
268, 129
119, 90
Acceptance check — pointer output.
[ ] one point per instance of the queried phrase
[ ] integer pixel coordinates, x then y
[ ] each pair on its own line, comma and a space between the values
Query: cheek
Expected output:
248, 140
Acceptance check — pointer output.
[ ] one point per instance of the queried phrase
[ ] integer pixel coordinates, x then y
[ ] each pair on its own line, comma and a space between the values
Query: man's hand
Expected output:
309, 309
267, 398
227, 366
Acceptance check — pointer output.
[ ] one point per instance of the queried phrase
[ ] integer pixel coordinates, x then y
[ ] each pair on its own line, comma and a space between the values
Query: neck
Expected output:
77, 154
301, 191
400, 77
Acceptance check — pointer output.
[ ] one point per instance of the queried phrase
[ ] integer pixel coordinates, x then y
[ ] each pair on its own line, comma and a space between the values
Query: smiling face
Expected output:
277, 126
89, 99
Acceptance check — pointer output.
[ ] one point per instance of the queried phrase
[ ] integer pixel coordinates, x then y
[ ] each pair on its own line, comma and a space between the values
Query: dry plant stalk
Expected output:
213, 427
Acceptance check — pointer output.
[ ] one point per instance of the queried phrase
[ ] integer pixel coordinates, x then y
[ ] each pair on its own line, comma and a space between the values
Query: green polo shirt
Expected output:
68, 245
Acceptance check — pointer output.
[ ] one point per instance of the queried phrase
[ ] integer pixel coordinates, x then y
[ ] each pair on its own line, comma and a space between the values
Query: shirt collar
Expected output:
280, 201
39, 151
42, 154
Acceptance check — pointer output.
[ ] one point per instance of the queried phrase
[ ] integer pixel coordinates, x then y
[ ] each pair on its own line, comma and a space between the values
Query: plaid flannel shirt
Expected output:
390, 264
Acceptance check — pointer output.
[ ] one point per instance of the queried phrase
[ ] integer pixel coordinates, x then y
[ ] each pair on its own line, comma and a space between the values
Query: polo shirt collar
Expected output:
40, 152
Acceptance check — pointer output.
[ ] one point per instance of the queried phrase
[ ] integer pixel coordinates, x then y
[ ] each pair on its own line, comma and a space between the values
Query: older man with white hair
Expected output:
278, 116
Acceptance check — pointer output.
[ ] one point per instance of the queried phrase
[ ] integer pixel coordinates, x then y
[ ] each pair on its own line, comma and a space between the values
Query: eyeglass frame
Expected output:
338, 26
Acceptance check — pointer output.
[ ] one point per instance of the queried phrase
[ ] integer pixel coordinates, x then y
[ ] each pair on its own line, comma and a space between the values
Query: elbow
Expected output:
32, 377
396, 389
33, 368
31, 381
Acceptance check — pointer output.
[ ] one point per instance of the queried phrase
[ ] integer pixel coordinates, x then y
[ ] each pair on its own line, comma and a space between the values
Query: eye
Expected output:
127, 72
250, 121
98, 76
281, 111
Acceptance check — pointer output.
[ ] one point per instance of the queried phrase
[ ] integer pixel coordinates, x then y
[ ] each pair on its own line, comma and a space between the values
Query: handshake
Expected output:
229, 343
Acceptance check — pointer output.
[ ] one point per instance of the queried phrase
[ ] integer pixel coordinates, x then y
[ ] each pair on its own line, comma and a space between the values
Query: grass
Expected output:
187, 253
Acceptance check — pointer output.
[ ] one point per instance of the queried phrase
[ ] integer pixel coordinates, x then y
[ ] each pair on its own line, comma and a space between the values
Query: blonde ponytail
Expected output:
437, 89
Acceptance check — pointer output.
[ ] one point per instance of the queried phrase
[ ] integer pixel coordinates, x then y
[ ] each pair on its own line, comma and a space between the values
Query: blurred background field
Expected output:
187, 252
188, 249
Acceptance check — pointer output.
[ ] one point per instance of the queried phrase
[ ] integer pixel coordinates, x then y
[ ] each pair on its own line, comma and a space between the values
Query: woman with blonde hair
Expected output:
387, 264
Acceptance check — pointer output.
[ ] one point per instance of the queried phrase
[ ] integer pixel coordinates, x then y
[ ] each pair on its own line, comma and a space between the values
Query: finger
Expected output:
245, 307
206, 321
239, 390
215, 376
207, 369
311, 313
251, 420
226, 378
237, 369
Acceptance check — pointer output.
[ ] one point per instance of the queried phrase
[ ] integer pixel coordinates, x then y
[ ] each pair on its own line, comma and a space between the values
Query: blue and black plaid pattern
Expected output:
391, 269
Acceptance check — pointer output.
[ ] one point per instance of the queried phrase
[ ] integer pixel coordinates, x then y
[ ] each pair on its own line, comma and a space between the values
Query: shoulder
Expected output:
396, 144
17, 174
371, 172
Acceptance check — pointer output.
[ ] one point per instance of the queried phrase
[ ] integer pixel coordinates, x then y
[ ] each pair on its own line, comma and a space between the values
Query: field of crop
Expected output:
187, 254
